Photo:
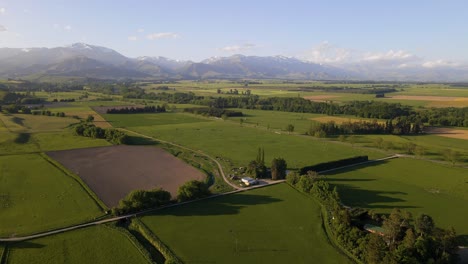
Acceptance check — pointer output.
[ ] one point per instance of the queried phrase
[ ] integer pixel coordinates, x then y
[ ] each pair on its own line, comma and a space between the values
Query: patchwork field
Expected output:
274, 224
32, 123
97, 244
36, 196
414, 185
113, 172
434, 101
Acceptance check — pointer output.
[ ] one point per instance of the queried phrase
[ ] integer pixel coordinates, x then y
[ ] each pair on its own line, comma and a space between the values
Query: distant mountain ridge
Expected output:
89, 61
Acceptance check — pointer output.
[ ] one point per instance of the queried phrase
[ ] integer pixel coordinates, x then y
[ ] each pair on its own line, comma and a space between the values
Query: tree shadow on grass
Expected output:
357, 197
223, 205
22, 138
18, 120
357, 167
137, 140
25, 244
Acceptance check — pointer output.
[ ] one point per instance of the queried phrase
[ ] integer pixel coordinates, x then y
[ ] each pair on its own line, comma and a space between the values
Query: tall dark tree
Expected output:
278, 169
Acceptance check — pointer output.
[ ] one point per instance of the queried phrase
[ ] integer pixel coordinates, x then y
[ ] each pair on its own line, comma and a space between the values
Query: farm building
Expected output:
374, 229
249, 181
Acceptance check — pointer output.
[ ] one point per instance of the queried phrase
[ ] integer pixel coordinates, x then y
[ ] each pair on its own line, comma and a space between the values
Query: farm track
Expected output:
220, 168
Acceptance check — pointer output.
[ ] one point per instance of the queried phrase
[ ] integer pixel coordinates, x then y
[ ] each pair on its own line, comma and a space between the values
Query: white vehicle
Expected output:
249, 181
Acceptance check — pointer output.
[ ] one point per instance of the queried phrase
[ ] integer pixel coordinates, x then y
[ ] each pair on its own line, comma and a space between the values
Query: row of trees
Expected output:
404, 240
216, 112
397, 126
137, 110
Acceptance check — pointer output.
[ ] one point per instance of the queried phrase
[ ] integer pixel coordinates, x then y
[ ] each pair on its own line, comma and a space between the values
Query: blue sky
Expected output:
322, 31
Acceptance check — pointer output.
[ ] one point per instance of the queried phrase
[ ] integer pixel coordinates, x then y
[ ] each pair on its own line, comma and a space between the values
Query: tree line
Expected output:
211, 111
137, 110
397, 126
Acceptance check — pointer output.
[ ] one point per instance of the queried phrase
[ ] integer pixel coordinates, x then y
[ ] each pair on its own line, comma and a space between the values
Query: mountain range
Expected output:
89, 61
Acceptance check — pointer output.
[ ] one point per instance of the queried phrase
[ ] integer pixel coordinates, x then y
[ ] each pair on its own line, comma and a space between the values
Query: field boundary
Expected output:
4, 255
132, 240
85, 187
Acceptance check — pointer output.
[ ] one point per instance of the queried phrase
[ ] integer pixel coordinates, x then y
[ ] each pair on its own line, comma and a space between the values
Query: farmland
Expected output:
113, 172
409, 184
98, 244
36, 196
216, 137
274, 224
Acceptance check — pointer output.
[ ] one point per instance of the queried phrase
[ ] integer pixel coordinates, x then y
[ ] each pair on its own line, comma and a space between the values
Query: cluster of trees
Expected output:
397, 126
114, 136
404, 239
68, 100
192, 190
137, 110
45, 112
257, 168
139, 200
216, 112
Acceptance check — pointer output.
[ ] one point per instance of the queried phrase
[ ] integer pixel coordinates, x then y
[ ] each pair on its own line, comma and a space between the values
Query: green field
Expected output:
240, 144
133, 120
36, 196
274, 224
414, 185
97, 244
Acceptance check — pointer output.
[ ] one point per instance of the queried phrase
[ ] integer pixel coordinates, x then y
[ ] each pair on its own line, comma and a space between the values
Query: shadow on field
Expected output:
225, 205
22, 138
18, 120
357, 167
357, 197
136, 140
463, 240
25, 244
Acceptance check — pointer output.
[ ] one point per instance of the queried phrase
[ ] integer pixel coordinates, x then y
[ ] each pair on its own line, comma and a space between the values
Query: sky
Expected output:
418, 31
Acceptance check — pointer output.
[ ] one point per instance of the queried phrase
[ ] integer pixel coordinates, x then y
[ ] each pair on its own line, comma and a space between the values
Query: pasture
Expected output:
36, 196
98, 244
132, 120
240, 144
274, 224
410, 184
113, 172
33, 123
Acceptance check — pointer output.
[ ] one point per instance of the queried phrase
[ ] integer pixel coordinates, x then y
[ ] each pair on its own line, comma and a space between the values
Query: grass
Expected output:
97, 244
14, 143
240, 144
414, 185
133, 120
274, 224
36, 196
33, 123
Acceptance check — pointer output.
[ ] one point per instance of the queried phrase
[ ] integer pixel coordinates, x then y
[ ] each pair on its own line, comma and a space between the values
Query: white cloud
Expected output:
327, 53
67, 27
391, 55
141, 30
239, 48
162, 35
440, 64
2, 10
132, 38
3, 28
